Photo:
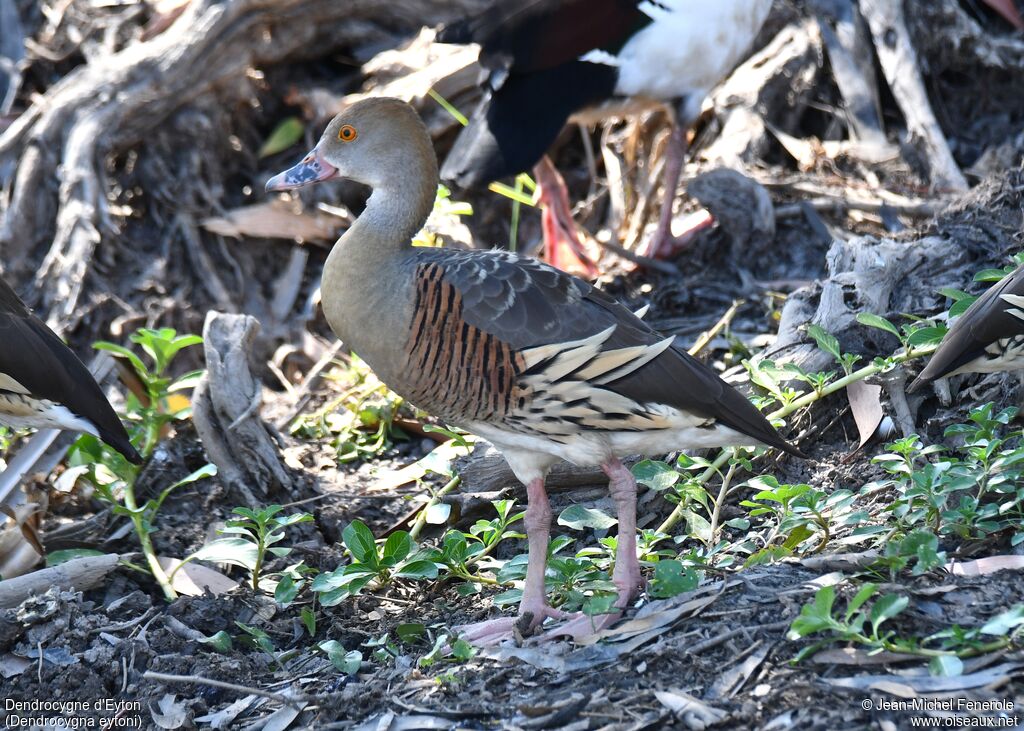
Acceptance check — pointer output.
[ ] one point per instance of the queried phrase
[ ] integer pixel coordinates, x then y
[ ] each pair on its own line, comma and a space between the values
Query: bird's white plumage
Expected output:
530, 455
688, 48
19, 411
1016, 303
9, 384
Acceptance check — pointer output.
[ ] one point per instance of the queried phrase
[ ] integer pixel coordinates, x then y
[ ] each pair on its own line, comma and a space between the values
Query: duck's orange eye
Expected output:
347, 133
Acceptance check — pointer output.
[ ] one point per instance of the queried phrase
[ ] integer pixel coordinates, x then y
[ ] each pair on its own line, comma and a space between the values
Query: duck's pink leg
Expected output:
1007, 9
562, 246
533, 609
664, 244
626, 575
622, 486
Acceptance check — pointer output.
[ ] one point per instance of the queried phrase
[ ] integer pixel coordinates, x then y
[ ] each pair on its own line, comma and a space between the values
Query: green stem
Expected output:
722, 493
806, 400
260, 550
147, 544
421, 519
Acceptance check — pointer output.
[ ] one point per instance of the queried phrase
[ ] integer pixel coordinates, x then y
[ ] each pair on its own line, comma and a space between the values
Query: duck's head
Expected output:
378, 142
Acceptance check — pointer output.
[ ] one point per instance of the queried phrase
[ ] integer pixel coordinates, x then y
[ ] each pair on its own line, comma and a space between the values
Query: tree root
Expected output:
117, 101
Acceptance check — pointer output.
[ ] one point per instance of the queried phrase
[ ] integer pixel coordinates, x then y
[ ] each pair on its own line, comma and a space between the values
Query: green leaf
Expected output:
421, 569
798, 535
221, 641
437, 513
600, 603
411, 632
989, 275
346, 662
961, 306
826, 341
926, 336
397, 547
866, 592
235, 551
877, 321
816, 616
56, 558
886, 608
946, 666
359, 540
671, 578
308, 618
286, 134
579, 517
1005, 622
462, 650
655, 474
287, 589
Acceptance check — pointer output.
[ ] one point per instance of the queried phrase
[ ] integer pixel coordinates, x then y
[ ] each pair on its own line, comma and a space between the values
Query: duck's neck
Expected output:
364, 289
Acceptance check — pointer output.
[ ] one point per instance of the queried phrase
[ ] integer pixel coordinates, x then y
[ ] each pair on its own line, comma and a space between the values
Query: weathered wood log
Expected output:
78, 574
225, 410
900, 66
888, 277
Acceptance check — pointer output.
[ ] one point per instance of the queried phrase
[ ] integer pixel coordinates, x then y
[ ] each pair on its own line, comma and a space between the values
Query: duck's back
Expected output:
508, 346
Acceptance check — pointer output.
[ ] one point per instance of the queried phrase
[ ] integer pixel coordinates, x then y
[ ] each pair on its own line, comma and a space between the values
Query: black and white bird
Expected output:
43, 385
547, 59
987, 338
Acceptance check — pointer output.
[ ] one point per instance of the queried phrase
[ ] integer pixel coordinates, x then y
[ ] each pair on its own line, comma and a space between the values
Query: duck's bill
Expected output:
312, 169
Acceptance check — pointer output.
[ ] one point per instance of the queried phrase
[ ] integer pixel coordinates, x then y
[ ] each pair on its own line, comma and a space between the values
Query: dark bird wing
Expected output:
989, 319
540, 34
537, 79
558, 327
33, 356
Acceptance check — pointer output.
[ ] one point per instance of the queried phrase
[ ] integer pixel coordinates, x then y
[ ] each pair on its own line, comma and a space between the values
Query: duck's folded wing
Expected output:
590, 352
34, 362
995, 315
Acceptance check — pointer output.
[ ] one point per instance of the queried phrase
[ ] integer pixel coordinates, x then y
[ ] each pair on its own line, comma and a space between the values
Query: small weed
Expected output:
394, 559
968, 492
112, 476
254, 534
359, 423
862, 625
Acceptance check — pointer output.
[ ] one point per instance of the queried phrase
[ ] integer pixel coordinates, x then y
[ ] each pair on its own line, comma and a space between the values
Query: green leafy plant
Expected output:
373, 562
252, 536
862, 624
360, 422
159, 407
969, 491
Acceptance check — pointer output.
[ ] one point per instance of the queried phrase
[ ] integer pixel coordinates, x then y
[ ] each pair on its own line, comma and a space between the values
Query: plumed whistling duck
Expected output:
547, 59
987, 338
540, 363
43, 385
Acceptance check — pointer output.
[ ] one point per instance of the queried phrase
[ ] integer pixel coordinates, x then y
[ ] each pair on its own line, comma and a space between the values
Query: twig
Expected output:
200, 680
726, 636
709, 335
644, 261
902, 70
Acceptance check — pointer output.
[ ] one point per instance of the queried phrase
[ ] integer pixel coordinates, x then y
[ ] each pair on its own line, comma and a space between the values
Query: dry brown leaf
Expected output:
278, 218
985, 566
194, 579
866, 405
